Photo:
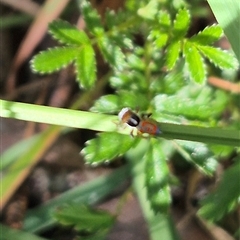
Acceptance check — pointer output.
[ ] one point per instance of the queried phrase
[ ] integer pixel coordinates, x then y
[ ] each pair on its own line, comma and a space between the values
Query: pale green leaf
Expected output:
83, 218
219, 57
112, 53
208, 35
199, 155
149, 11
157, 174
112, 103
192, 102
86, 66
53, 59
164, 20
172, 54
181, 23
106, 147
194, 63
225, 197
68, 34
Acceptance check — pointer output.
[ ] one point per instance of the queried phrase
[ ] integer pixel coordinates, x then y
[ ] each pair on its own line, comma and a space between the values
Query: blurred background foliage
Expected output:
167, 58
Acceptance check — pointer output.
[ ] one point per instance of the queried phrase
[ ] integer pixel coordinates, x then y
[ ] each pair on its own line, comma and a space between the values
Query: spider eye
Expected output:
133, 121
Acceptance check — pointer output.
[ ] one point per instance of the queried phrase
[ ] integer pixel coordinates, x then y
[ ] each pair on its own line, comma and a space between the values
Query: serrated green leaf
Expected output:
208, 35
157, 174
149, 11
92, 18
106, 104
194, 63
164, 20
53, 59
134, 80
106, 147
199, 155
64, 32
228, 17
225, 197
112, 53
86, 66
112, 103
181, 24
192, 102
83, 218
219, 57
160, 34
172, 54
159, 38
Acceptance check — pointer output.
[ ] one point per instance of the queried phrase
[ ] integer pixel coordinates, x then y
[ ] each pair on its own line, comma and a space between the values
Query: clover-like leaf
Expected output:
106, 147
194, 63
219, 57
199, 155
68, 34
86, 66
53, 59
157, 176
181, 24
208, 35
225, 197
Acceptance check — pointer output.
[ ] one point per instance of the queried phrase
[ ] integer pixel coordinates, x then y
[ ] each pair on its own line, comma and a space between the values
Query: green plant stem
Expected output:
108, 123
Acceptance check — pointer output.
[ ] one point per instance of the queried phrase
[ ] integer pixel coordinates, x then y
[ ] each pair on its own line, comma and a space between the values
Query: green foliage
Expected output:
199, 155
156, 67
225, 197
193, 102
157, 178
78, 49
107, 146
91, 224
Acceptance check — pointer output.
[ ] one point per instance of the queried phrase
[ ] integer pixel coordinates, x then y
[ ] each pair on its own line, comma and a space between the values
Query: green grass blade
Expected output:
91, 192
12, 153
229, 19
18, 171
107, 123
